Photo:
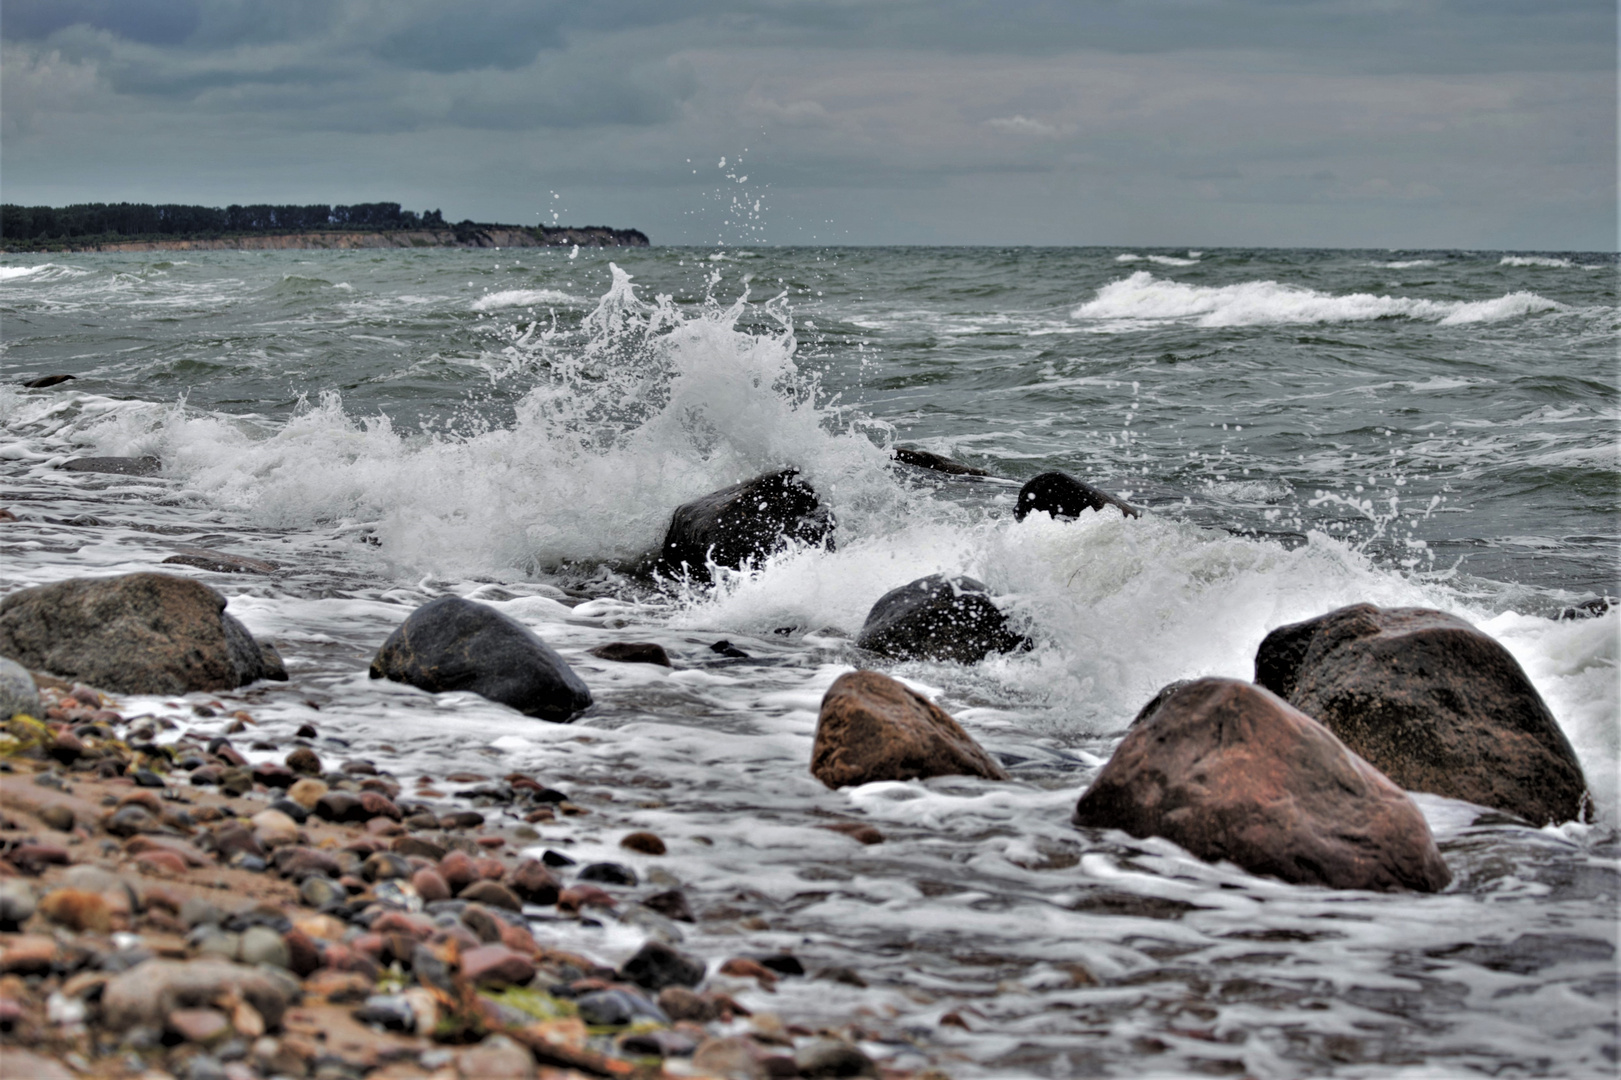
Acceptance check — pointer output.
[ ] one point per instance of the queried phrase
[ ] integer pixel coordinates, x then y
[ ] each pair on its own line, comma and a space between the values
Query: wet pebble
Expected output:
656, 965
492, 894
644, 842
389, 1011
608, 873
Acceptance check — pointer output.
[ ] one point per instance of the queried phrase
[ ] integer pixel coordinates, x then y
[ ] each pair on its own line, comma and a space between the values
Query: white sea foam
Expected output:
42, 272
1143, 297
1163, 260
523, 298
1406, 264
1535, 260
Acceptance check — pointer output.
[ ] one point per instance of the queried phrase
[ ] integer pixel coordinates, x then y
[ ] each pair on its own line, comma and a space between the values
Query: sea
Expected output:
1303, 429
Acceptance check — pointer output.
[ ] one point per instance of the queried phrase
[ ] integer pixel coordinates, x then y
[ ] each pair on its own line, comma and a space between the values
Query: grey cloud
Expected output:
152, 22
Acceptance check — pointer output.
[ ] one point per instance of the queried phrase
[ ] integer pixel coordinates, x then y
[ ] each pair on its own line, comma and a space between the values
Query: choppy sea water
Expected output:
1305, 429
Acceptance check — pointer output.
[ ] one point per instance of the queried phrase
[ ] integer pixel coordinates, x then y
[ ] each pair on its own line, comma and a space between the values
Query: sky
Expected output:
1203, 123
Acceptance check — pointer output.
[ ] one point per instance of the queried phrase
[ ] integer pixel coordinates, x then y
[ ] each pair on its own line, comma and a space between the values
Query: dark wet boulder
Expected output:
923, 459
221, 562
633, 652
1432, 702
48, 380
938, 618
1230, 771
873, 727
656, 965
744, 524
143, 633
1063, 496
456, 644
124, 466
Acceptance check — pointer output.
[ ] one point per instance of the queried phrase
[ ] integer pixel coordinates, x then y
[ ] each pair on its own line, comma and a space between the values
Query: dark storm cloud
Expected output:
1054, 118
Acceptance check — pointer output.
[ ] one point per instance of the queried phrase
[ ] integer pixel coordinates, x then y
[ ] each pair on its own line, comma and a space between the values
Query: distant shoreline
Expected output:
483, 236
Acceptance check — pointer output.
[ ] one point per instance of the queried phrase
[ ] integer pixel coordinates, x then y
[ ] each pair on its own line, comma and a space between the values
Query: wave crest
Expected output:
1143, 297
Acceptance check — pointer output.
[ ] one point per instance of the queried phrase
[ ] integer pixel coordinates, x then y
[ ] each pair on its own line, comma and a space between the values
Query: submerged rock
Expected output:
124, 466
873, 728
1230, 771
938, 618
743, 524
1431, 701
633, 652
456, 644
143, 633
1063, 496
923, 459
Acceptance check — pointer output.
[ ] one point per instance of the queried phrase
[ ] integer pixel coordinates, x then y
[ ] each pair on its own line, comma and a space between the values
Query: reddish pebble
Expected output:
398, 922
29, 954
31, 858
160, 862
368, 944
458, 870
78, 910
377, 805
430, 885
491, 894
496, 965
198, 1025
516, 937
464, 938
303, 957
575, 897
382, 826
743, 967
490, 842
534, 883
491, 869
645, 842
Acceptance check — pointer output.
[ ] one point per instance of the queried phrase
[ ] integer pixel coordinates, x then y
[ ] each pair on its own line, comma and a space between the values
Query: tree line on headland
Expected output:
41, 228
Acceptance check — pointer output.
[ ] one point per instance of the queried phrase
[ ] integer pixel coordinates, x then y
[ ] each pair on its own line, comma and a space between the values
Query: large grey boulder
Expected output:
148, 992
143, 633
938, 618
456, 644
1230, 771
18, 694
1432, 702
744, 524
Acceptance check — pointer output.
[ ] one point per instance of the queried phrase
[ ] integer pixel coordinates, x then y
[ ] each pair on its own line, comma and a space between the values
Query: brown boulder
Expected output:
1230, 771
1432, 702
140, 633
874, 728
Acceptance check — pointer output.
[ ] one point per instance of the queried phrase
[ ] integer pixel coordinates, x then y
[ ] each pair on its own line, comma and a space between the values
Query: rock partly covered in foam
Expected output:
938, 618
874, 728
1063, 496
923, 459
1230, 771
143, 633
1433, 702
456, 644
744, 524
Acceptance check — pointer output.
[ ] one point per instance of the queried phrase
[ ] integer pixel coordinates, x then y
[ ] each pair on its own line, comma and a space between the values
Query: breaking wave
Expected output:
1143, 297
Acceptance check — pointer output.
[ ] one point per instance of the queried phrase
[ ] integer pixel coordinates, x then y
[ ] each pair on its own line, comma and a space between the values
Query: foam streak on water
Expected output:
1303, 432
